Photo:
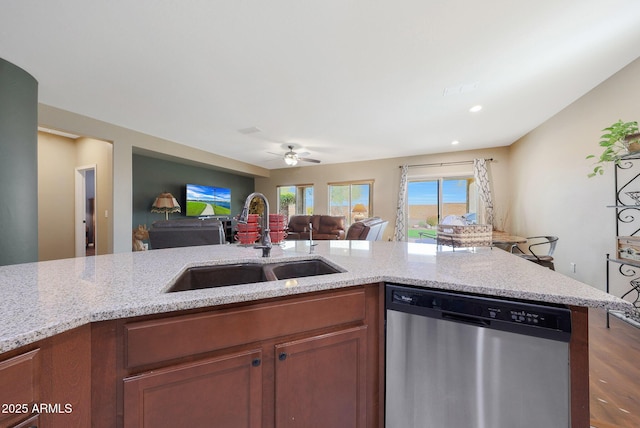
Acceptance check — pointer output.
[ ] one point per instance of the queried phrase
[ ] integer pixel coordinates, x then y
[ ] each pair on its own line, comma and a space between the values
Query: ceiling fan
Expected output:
291, 158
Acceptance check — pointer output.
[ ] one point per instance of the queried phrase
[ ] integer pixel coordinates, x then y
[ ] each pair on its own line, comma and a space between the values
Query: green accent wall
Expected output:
152, 176
18, 165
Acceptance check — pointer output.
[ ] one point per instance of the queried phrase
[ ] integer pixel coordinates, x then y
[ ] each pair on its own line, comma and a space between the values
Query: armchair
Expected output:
371, 229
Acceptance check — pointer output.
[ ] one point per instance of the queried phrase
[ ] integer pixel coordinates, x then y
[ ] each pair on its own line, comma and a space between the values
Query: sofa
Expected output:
186, 233
324, 227
370, 229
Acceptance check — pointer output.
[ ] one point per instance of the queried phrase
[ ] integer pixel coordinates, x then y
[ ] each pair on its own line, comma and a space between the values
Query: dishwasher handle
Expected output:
466, 319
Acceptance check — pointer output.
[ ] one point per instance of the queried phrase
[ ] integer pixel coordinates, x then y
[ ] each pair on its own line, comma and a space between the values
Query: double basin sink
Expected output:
246, 273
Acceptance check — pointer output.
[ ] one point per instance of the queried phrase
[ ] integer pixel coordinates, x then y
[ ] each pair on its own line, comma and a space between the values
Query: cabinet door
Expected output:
32, 422
321, 381
19, 387
222, 392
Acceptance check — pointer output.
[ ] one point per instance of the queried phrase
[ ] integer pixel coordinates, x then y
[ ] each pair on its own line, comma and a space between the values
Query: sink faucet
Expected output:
311, 244
265, 240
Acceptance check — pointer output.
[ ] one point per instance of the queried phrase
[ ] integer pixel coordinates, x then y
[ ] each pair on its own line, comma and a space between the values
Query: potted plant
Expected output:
619, 139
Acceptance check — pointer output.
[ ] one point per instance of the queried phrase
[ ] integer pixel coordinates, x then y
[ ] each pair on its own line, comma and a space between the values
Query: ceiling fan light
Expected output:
290, 159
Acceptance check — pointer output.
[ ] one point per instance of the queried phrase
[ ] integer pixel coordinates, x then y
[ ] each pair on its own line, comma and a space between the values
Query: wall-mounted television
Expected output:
205, 201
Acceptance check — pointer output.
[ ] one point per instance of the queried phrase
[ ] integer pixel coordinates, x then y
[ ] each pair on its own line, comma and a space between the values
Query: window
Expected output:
295, 200
352, 200
429, 201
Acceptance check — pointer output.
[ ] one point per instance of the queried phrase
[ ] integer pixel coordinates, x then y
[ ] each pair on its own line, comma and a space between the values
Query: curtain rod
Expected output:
445, 163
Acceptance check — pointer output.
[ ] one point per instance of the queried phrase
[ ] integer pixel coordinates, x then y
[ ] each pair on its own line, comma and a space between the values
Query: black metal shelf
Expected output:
630, 156
629, 269
626, 205
633, 263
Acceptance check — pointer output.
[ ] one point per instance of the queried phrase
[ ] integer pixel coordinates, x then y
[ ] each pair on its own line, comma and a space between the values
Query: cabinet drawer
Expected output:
154, 341
19, 385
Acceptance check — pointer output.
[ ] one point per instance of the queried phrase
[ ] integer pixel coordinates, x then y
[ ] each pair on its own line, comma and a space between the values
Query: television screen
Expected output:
208, 200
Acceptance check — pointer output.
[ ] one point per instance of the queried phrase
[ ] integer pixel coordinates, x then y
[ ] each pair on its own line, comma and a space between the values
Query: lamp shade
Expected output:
165, 203
358, 210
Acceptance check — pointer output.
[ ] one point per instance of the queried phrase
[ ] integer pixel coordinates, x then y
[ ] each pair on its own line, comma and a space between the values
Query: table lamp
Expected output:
358, 212
165, 203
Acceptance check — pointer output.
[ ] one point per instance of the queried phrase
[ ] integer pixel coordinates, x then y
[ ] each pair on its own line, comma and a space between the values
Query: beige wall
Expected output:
58, 157
552, 194
56, 195
386, 176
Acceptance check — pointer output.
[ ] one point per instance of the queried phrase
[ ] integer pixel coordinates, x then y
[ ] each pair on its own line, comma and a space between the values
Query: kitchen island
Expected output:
108, 310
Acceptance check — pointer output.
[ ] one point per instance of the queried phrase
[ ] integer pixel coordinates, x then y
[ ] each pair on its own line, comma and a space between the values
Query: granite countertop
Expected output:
42, 299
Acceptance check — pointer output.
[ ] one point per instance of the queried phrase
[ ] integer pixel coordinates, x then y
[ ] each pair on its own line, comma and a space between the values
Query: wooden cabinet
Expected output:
32, 422
227, 390
48, 383
19, 387
321, 381
310, 360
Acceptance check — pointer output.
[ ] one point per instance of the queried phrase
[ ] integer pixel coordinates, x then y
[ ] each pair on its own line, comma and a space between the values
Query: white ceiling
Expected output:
344, 80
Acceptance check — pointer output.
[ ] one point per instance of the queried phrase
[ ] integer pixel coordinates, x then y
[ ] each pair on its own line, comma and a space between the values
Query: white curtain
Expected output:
481, 175
400, 233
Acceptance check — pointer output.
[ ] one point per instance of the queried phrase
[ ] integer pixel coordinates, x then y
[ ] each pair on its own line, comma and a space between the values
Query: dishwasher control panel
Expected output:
480, 308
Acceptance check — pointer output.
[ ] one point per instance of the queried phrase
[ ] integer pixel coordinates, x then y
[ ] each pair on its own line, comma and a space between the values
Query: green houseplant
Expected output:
618, 140
286, 199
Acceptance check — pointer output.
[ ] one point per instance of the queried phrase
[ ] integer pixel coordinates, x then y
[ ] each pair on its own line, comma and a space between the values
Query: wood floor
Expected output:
614, 372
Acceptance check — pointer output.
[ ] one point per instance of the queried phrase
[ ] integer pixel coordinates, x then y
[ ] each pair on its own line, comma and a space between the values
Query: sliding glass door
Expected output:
430, 201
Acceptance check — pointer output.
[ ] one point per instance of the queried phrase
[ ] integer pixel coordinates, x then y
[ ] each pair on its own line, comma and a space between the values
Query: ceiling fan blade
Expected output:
308, 160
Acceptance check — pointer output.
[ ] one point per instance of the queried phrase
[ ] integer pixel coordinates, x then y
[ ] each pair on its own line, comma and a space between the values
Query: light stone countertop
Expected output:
42, 299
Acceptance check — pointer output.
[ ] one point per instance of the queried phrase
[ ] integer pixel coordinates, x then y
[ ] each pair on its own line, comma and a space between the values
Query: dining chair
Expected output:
537, 245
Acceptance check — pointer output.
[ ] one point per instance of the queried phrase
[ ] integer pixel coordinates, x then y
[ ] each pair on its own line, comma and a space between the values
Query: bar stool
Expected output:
536, 256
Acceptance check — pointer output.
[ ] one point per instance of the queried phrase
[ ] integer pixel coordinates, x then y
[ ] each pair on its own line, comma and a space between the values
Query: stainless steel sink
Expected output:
301, 268
246, 273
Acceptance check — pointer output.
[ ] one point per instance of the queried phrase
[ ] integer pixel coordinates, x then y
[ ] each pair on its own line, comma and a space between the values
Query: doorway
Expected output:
85, 211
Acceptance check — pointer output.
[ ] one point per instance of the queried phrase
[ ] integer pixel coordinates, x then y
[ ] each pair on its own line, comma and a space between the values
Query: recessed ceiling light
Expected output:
475, 109
455, 142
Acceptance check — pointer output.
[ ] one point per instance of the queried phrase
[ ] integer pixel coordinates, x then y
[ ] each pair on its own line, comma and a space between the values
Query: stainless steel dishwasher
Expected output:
462, 361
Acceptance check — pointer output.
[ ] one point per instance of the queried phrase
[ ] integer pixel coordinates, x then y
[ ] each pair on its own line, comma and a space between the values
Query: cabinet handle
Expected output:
256, 362
282, 356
